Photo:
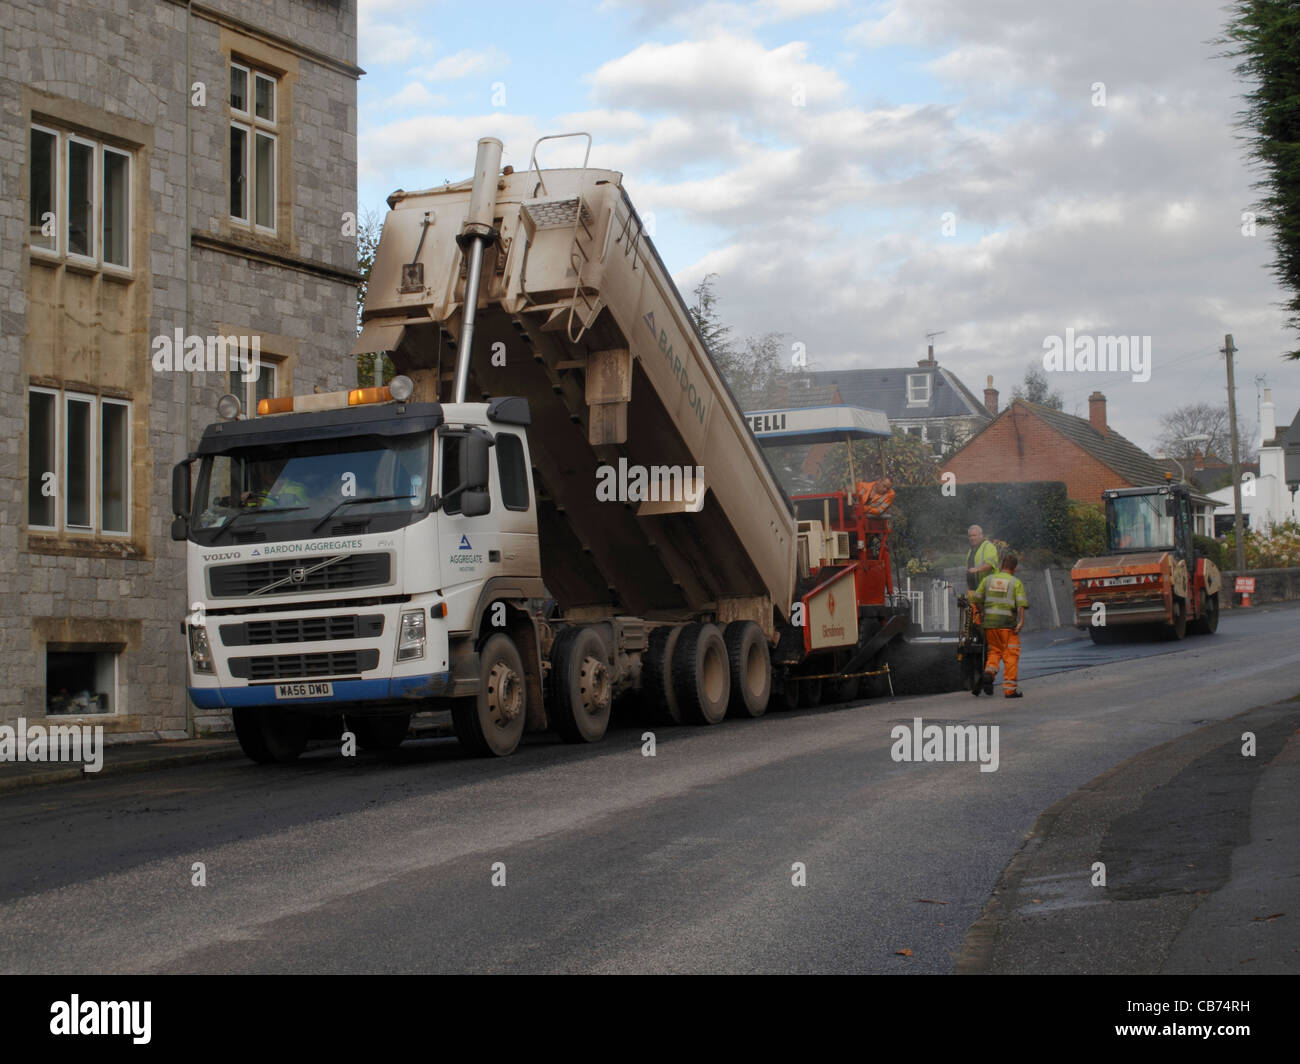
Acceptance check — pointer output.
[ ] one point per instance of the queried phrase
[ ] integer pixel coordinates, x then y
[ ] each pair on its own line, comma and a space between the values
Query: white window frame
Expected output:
247, 112
58, 446
254, 126
116, 267
246, 198
55, 252
92, 459
913, 389
275, 180
249, 388
105, 400
75, 256
275, 103
62, 496
62, 250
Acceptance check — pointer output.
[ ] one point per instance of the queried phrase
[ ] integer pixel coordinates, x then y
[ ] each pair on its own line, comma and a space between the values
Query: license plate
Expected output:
304, 690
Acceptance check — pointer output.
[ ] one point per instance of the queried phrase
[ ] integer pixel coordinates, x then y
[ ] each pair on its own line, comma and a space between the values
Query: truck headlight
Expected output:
410, 637
200, 652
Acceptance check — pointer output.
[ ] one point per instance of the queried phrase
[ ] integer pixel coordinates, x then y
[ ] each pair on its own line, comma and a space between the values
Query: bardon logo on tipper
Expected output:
464, 543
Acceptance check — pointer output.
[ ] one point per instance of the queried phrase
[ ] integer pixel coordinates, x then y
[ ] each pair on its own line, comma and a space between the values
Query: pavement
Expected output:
1199, 844
127, 758
1182, 860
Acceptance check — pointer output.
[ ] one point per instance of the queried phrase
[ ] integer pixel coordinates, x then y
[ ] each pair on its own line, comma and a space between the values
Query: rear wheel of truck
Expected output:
1208, 622
701, 674
582, 687
1178, 629
270, 736
492, 723
657, 694
1101, 635
751, 668
380, 733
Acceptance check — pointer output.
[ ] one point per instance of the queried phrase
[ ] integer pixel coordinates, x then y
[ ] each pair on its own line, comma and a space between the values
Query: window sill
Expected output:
74, 546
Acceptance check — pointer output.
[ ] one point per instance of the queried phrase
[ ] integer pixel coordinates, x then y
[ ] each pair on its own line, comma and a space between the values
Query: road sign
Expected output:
1245, 585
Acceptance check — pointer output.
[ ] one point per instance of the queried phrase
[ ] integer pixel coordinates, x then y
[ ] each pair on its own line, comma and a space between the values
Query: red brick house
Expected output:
1028, 442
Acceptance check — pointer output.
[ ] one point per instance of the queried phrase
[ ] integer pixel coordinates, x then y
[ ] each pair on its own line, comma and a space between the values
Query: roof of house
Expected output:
1109, 448
1214, 470
790, 391
886, 389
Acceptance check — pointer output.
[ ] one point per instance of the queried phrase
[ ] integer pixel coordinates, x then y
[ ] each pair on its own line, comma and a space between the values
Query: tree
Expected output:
1035, 389
906, 459
750, 369
1201, 419
1262, 35
369, 227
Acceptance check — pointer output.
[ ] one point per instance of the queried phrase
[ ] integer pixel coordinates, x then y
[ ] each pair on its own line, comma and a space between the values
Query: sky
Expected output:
858, 175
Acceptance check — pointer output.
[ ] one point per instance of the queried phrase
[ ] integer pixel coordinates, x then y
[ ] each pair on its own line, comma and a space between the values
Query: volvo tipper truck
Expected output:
556, 503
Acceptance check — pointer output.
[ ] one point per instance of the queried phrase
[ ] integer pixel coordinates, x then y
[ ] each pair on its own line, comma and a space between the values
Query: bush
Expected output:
1277, 547
1212, 549
1087, 537
1026, 516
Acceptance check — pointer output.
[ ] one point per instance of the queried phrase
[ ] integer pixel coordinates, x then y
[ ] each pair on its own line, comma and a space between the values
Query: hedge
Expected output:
1026, 516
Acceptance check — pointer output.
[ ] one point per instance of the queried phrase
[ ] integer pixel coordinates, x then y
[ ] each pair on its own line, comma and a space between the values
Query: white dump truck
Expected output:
557, 502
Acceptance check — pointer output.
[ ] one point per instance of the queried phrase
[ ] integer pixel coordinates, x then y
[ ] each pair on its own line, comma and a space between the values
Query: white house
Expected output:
1271, 499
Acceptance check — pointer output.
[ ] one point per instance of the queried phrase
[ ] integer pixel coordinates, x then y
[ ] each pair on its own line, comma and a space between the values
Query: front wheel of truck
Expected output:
270, 736
492, 722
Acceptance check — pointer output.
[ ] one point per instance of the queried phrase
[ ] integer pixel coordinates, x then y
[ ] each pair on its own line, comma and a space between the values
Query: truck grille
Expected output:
295, 666
351, 570
302, 630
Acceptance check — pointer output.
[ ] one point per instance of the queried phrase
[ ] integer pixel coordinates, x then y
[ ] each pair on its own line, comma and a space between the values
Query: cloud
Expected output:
723, 73
412, 94
463, 63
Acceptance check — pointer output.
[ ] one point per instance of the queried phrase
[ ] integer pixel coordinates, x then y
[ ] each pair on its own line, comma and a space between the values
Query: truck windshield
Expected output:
1139, 522
376, 482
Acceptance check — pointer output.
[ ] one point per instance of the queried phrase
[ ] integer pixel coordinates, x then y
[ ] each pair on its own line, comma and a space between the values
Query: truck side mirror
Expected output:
474, 462
181, 489
475, 503
181, 500
1171, 506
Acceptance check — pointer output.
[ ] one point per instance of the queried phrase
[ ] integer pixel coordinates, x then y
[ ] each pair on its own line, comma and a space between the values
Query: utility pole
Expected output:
1238, 531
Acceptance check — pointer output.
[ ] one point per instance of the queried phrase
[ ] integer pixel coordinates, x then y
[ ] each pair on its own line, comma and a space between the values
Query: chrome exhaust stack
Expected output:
476, 234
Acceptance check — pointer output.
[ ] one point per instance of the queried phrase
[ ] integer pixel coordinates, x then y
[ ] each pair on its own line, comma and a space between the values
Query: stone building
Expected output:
175, 175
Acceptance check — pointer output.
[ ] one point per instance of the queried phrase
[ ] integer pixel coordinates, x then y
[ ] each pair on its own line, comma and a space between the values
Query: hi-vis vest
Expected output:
985, 554
1000, 594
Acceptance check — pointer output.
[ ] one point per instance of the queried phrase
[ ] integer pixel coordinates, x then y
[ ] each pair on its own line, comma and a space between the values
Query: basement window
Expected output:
80, 680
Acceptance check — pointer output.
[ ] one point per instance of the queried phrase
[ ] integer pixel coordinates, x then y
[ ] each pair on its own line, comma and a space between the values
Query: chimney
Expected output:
1199, 461
1267, 418
1097, 412
928, 362
991, 397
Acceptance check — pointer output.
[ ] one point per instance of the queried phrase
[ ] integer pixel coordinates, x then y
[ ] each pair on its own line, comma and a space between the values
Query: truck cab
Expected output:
342, 550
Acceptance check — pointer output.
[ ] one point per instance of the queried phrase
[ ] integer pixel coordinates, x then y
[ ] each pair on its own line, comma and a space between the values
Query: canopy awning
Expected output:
816, 424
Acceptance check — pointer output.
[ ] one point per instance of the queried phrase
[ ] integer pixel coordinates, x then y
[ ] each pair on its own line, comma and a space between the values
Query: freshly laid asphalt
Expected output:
1130, 756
